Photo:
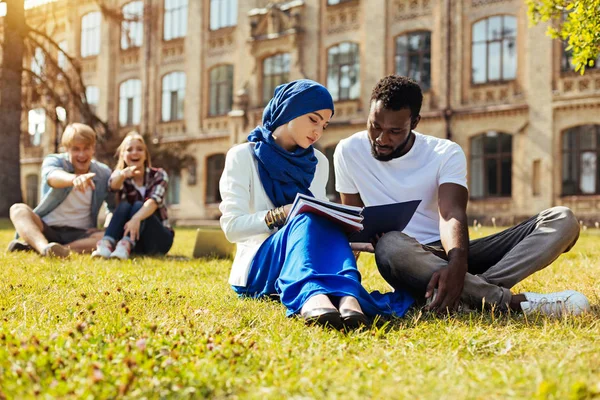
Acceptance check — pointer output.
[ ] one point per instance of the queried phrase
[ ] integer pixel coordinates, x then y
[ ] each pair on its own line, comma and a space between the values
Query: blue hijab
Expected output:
284, 173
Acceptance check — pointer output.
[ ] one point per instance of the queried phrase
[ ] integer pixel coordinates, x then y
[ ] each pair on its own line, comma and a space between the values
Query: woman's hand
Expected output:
130, 172
286, 209
132, 227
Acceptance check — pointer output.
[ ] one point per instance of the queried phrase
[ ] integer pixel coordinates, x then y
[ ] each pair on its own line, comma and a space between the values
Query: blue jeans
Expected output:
154, 238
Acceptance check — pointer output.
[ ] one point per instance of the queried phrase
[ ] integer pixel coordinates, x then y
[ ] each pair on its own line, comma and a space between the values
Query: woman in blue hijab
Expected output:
306, 261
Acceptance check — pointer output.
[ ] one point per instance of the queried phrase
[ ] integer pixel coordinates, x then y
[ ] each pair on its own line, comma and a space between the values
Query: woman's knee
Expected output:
135, 207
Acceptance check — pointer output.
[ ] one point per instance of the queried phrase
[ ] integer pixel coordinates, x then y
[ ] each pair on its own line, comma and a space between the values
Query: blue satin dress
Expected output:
310, 255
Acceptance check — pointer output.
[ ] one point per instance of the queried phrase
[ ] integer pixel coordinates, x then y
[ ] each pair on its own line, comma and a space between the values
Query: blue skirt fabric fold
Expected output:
310, 255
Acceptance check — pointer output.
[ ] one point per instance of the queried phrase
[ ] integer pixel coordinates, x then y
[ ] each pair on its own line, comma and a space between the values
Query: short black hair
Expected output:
398, 92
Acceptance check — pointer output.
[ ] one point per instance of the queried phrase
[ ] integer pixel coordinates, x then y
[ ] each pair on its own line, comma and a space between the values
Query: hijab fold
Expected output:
284, 173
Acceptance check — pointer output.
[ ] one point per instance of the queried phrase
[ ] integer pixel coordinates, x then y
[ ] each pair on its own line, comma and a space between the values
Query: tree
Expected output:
577, 22
10, 103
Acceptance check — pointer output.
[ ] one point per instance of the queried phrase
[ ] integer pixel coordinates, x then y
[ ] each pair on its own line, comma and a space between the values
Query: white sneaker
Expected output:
556, 304
123, 250
57, 250
104, 249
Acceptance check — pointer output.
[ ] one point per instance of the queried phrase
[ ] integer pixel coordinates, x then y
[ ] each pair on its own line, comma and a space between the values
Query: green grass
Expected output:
153, 327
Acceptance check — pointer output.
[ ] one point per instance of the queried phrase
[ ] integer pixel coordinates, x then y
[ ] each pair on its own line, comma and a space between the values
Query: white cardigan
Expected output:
245, 205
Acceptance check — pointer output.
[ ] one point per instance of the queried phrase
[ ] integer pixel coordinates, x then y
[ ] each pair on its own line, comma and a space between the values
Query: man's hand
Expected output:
132, 228
449, 282
84, 181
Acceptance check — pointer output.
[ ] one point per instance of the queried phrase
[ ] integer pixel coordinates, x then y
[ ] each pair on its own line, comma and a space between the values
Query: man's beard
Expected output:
394, 154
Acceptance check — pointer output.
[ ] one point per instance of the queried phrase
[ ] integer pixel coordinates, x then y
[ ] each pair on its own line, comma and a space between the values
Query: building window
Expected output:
276, 70
36, 125
31, 190
214, 169
413, 57
132, 27
332, 2
61, 59
173, 96
494, 55
580, 154
38, 61
491, 165
92, 95
175, 20
332, 194
223, 13
90, 34
343, 71
221, 89
130, 102
174, 188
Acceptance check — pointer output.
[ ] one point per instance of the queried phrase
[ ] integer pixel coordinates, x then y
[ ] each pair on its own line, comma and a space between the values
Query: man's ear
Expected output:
415, 122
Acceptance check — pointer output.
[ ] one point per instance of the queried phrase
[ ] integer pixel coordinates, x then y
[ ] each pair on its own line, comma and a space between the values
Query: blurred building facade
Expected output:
199, 72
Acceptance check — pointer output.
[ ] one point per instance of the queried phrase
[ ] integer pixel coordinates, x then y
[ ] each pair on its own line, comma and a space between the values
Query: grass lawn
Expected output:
171, 327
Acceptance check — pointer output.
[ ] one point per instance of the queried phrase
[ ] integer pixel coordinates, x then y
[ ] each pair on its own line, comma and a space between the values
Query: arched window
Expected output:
214, 169
175, 19
276, 70
31, 190
413, 57
130, 102
173, 95
38, 61
494, 55
221, 89
90, 34
343, 71
580, 154
491, 165
132, 27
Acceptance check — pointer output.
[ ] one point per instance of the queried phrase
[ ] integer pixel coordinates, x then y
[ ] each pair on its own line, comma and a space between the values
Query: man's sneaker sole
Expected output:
56, 250
17, 245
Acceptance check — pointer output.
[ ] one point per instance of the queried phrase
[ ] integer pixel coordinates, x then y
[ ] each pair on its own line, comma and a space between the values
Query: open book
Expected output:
361, 224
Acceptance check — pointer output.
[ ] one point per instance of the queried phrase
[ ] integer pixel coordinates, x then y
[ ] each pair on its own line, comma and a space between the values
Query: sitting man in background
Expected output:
74, 186
433, 258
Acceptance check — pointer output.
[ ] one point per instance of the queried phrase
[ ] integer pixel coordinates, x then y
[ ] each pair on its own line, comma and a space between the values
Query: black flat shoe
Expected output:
354, 319
323, 316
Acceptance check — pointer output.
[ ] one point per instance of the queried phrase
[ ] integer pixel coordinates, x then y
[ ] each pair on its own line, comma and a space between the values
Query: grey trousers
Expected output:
496, 263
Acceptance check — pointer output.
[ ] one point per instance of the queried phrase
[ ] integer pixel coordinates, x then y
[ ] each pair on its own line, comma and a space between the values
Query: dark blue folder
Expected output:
384, 219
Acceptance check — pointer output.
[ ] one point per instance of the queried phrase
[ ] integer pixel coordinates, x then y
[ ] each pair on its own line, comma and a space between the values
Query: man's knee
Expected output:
393, 245
565, 223
19, 210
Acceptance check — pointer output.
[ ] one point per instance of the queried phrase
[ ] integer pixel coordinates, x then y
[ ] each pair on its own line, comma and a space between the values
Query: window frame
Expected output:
167, 91
487, 42
355, 54
178, 14
130, 102
496, 157
132, 32
272, 78
420, 53
577, 152
222, 18
215, 87
90, 34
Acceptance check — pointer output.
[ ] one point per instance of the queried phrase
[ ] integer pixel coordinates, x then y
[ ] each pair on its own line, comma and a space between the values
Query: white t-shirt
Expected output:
141, 189
415, 176
75, 211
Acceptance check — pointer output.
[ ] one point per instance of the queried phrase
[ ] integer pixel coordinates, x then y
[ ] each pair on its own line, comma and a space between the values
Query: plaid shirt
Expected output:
156, 182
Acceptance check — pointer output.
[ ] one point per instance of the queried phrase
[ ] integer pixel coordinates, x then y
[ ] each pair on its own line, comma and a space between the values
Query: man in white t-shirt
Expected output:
432, 258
